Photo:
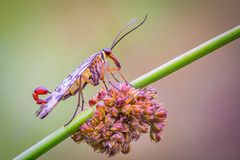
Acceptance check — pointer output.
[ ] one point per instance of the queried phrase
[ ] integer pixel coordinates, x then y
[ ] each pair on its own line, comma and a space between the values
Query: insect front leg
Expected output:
105, 70
113, 69
111, 72
114, 77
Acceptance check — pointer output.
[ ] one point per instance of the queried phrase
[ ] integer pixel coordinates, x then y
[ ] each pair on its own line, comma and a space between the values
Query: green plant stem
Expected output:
64, 132
187, 58
55, 138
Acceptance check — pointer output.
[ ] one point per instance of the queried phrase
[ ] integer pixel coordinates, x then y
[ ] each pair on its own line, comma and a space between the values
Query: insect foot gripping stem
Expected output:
40, 91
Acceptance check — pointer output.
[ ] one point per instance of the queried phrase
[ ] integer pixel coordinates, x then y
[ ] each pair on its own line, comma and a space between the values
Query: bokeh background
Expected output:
41, 42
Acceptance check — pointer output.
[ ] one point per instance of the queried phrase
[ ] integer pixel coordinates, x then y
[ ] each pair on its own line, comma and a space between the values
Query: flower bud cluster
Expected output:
122, 114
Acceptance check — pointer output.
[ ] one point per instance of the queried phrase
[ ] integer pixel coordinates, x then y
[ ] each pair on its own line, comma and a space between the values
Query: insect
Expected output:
91, 71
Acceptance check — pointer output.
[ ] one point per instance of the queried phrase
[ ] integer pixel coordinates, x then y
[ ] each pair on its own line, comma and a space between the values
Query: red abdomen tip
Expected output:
41, 90
41, 101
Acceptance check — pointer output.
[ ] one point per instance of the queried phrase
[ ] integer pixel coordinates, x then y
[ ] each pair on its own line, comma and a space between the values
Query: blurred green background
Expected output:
41, 42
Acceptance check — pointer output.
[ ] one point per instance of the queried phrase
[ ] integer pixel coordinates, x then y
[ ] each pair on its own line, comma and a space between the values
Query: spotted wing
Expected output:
53, 99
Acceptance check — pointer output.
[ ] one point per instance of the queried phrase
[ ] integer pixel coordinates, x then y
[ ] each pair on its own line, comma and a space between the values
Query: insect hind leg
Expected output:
82, 100
80, 95
105, 84
74, 115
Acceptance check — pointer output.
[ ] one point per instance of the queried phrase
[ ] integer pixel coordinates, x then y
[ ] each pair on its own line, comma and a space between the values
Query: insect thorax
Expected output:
97, 68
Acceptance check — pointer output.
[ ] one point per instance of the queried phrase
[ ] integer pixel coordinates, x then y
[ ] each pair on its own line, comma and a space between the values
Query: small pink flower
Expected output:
122, 115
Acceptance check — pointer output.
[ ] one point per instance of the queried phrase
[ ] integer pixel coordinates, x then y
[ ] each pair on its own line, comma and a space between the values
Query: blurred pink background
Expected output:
42, 42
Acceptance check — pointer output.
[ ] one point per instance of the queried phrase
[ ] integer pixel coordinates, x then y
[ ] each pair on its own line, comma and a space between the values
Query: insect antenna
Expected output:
129, 24
115, 42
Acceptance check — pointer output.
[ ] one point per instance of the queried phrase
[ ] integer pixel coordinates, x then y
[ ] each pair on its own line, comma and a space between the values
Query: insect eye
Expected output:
107, 51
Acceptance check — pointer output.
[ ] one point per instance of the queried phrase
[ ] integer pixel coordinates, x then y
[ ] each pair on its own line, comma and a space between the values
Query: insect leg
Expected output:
111, 83
101, 75
105, 68
113, 69
112, 74
105, 85
82, 99
123, 77
114, 77
78, 103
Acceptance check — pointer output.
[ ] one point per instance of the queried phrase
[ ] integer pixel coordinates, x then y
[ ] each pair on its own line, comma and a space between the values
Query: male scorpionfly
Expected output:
91, 71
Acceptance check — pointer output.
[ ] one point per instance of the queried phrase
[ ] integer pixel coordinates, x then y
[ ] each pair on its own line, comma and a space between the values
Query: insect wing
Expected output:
56, 96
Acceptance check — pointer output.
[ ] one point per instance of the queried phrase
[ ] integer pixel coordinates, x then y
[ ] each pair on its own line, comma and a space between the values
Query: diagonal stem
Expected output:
187, 58
64, 132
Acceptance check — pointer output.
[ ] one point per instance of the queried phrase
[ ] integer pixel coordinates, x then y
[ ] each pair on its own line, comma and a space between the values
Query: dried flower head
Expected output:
121, 116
